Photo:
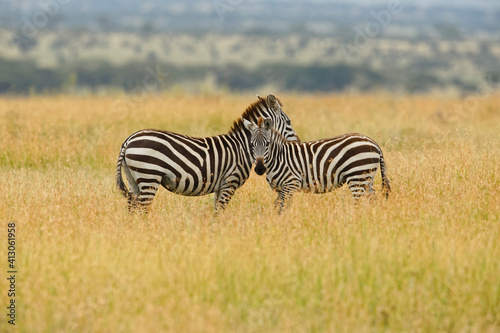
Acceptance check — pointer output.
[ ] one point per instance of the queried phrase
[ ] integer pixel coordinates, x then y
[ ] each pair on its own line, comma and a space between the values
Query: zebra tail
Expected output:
386, 186
119, 179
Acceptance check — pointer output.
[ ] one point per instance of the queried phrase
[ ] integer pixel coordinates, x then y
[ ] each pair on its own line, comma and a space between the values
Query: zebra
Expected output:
315, 166
194, 166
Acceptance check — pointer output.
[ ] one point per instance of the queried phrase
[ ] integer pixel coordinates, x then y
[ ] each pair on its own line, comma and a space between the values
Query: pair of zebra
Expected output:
221, 164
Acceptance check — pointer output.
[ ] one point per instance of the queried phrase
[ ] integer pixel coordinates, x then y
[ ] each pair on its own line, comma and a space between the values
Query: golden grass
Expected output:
426, 260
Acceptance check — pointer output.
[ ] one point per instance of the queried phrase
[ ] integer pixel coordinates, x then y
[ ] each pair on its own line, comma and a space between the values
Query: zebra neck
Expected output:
240, 136
276, 148
277, 140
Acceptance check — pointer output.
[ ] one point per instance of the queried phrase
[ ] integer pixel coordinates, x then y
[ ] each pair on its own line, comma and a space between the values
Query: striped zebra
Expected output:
194, 166
315, 166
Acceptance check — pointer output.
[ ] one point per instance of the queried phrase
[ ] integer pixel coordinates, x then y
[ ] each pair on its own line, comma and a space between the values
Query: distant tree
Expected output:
237, 78
320, 78
104, 22
422, 83
23, 76
449, 31
484, 48
24, 44
151, 57
147, 29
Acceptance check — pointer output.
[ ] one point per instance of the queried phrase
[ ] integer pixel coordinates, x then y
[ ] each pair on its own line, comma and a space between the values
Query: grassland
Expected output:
426, 260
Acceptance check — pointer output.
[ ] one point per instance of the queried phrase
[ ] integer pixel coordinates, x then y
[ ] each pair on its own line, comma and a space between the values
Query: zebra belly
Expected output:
317, 187
185, 185
149, 165
365, 173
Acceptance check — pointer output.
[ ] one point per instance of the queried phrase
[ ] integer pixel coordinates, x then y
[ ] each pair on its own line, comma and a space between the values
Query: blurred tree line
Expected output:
21, 77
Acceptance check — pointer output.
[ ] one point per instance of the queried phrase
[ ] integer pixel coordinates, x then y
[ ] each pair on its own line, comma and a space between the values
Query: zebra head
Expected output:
261, 137
279, 118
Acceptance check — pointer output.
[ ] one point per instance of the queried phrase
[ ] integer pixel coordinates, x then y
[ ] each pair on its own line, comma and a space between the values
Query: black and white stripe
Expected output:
194, 166
316, 166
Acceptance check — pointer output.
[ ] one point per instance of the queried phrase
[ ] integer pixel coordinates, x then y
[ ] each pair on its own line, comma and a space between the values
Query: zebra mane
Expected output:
252, 113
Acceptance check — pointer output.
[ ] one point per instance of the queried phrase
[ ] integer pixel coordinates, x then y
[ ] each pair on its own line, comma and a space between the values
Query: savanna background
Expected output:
425, 87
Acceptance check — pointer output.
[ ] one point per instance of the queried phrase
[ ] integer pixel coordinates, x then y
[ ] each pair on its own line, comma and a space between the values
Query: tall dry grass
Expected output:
426, 260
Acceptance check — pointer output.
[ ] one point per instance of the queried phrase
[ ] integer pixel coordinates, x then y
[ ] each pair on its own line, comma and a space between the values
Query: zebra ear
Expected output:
248, 125
268, 123
273, 103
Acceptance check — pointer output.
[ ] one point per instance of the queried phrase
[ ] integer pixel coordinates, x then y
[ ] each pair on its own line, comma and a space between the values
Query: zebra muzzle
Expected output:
260, 168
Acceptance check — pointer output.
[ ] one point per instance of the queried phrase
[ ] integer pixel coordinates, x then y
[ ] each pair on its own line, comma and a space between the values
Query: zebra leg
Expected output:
134, 189
359, 186
222, 198
284, 198
147, 193
371, 191
279, 203
216, 200
357, 191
